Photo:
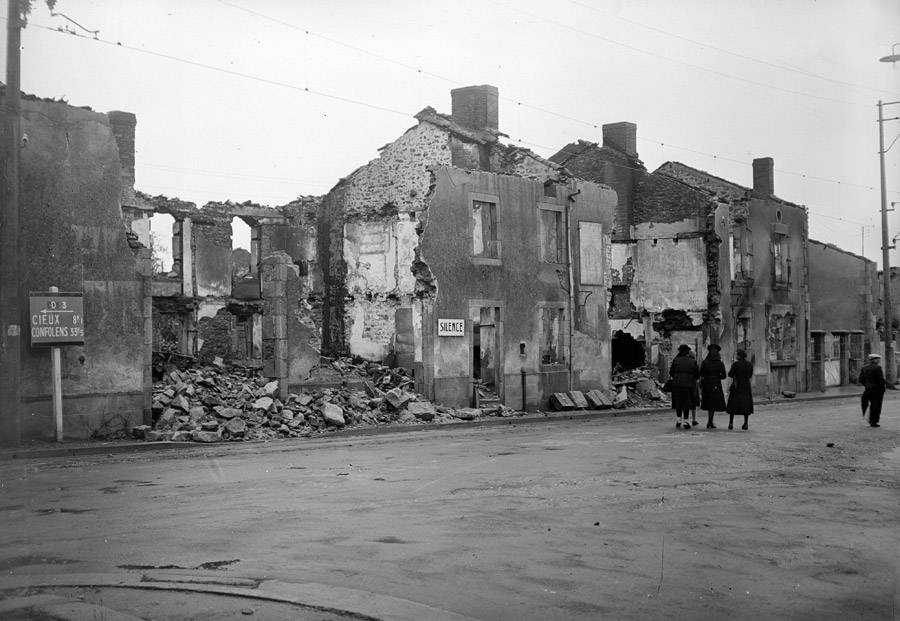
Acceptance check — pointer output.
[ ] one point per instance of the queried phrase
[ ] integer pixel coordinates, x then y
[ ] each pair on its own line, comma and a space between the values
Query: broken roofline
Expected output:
482, 136
227, 209
581, 146
747, 190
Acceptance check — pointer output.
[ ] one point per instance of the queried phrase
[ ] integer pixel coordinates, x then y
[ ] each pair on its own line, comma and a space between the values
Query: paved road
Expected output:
622, 518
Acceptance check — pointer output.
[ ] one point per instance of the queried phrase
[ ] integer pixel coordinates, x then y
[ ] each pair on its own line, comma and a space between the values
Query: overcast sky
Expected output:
219, 87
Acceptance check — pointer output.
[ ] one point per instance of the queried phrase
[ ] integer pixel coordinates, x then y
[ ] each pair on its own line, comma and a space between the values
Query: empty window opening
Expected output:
743, 335
742, 253
627, 351
485, 238
553, 330
240, 248
781, 261
244, 260
553, 242
162, 231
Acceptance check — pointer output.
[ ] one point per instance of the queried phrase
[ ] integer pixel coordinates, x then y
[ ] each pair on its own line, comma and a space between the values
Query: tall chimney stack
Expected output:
621, 136
476, 107
763, 177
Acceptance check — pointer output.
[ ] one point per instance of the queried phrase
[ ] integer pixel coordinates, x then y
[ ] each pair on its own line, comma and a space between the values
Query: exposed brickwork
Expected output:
476, 107
587, 160
659, 198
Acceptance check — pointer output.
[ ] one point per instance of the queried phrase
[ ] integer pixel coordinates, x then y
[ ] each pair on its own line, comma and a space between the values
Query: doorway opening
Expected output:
627, 352
487, 371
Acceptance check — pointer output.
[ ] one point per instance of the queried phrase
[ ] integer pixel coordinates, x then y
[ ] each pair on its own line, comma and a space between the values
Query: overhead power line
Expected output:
240, 74
307, 90
517, 102
657, 56
735, 54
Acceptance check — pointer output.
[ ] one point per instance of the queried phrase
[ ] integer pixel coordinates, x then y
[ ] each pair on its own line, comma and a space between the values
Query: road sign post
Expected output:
56, 318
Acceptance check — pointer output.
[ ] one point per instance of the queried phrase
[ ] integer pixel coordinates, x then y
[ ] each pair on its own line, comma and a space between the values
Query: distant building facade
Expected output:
843, 301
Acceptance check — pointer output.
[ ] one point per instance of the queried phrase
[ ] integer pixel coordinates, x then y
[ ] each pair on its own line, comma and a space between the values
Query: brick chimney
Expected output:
621, 136
476, 107
123, 124
763, 177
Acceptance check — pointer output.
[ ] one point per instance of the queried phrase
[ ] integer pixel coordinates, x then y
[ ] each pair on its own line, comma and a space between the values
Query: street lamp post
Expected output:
887, 306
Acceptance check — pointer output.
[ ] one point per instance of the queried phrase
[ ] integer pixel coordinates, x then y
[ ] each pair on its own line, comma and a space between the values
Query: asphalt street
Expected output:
611, 518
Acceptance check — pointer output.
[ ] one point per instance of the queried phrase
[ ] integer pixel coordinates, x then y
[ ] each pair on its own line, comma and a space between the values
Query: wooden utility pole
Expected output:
10, 289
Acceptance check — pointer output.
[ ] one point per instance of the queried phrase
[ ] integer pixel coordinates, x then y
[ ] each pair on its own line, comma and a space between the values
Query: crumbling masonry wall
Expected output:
674, 259
367, 243
72, 236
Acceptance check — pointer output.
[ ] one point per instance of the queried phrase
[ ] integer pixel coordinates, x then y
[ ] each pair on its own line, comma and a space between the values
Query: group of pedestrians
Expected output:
685, 374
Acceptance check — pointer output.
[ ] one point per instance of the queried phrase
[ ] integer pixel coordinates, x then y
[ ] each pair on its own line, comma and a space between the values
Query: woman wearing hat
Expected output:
683, 373
712, 372
740, 395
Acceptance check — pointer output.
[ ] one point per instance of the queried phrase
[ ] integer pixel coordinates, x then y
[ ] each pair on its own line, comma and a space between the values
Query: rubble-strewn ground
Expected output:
214, 403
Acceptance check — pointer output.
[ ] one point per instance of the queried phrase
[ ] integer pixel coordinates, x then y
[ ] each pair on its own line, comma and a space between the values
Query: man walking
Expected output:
871, 378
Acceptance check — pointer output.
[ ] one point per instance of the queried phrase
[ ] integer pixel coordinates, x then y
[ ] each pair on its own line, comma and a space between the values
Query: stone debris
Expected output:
642, 388
217, 403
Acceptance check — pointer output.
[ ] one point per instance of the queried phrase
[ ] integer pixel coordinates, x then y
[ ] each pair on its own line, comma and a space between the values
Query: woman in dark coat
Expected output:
712, 372
740, 395
684, 373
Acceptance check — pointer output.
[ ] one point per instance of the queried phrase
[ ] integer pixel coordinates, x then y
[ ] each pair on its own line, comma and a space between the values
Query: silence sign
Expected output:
56, 318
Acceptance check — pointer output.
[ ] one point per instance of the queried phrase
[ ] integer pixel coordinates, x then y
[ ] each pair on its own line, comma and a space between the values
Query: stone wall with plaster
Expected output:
73, 237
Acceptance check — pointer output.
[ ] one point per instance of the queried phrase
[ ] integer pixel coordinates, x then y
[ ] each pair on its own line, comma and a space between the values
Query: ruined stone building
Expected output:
248, 309
767, 284
72, 237
473, 263
844, 291
697, 259
665, 254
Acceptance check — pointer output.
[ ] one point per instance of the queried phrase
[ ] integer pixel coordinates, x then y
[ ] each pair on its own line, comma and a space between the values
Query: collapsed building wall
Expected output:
764, 273
255, 307
664, 259
379, 283
367, 238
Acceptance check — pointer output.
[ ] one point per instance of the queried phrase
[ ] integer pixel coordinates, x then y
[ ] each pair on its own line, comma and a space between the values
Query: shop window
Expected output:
553, 334
553, 239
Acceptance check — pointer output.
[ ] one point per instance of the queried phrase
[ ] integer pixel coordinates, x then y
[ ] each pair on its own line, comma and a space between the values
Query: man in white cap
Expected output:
871, 378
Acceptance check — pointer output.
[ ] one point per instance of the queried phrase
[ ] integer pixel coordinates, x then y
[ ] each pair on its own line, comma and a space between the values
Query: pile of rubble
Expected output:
214, 404
640, 388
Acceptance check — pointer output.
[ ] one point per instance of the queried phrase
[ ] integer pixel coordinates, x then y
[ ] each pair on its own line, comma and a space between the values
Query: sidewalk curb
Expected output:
324, 597
549, 417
